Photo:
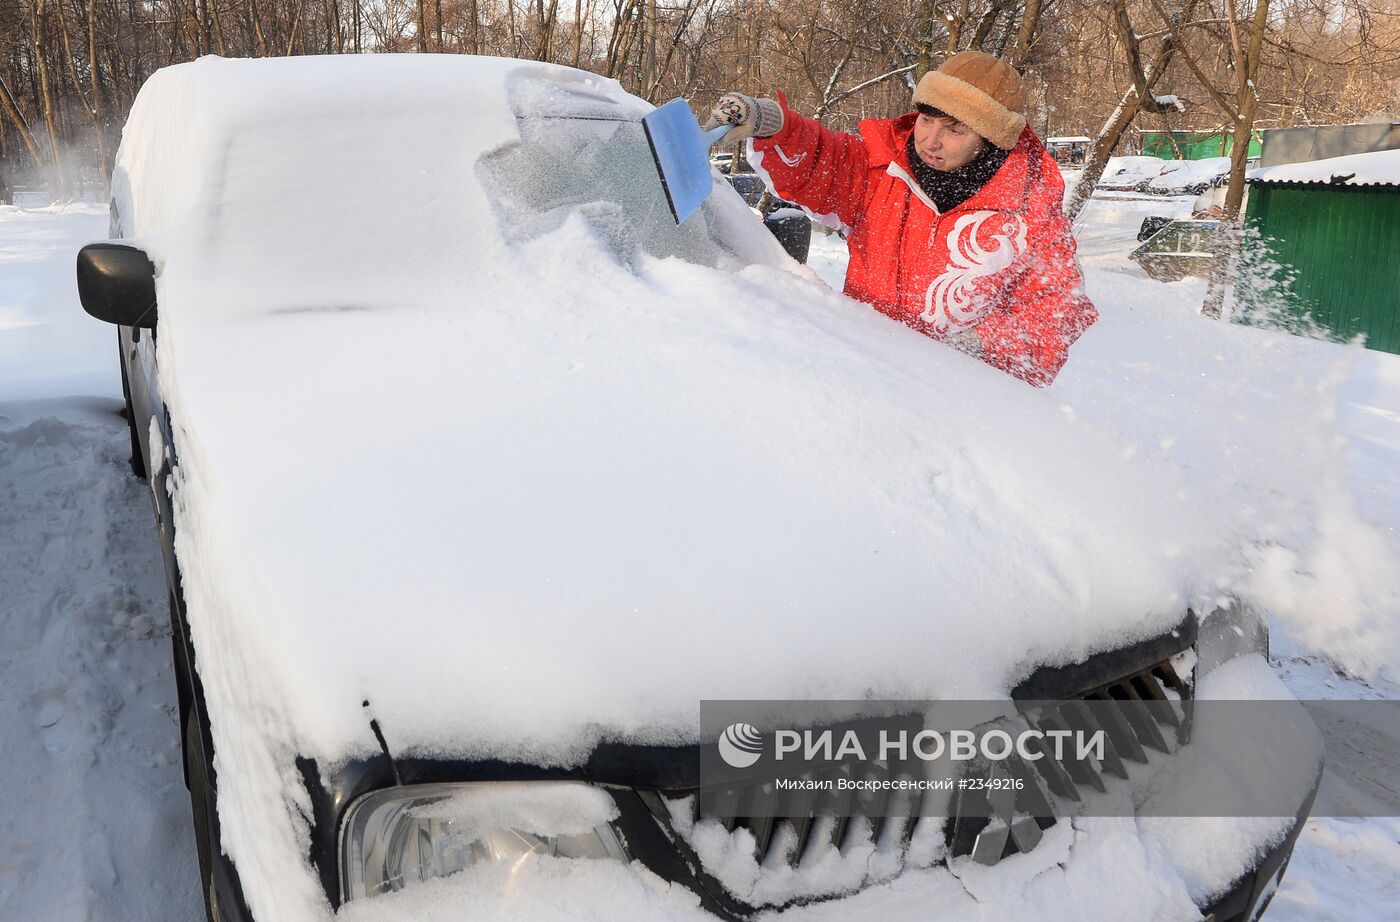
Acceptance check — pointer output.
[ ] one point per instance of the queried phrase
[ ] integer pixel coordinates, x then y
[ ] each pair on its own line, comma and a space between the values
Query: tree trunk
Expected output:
649, 61
21, 126
955, 26
984, 28
137, 71
927, 17
218, 27
6, 196
1135, 98
89, 105
578, 31
256, 18
544, 51
296, 31
1025, 38
99, 113
337, 43
39, 23
1248, 104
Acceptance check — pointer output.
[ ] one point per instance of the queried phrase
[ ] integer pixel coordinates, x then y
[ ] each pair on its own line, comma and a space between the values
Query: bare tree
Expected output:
70, 69
1138, 97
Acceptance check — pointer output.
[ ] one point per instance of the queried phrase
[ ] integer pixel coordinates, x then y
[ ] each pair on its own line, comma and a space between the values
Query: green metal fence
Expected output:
1192, 145
1343, 243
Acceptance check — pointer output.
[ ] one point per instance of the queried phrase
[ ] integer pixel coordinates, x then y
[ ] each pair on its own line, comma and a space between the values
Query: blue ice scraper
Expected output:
681, 150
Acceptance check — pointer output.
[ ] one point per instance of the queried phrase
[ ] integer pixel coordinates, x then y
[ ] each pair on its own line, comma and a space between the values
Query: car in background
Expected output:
466, 498
1155, 176
787, 220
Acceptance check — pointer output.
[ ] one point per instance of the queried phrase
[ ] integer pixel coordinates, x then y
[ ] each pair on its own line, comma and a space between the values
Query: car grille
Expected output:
1140, 713
1144, 712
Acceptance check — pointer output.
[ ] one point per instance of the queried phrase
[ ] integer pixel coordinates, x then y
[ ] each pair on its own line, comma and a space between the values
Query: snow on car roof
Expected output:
1377, 168
1184, 173
514, 452
1131, 169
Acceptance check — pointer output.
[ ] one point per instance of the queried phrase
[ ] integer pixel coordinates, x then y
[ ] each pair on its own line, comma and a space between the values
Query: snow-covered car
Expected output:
1163, 177
1190, 177
475, 474
1129, 174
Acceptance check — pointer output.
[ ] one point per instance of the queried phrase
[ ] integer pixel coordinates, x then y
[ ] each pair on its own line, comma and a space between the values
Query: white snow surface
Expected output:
1373, 168
46, 352
1286, 435
96, 820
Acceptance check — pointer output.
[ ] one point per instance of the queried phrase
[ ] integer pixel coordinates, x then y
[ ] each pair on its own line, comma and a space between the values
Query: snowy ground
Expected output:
96, 820
96, 823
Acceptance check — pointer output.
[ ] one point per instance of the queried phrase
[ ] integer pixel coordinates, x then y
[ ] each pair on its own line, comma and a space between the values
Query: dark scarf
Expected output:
951, 188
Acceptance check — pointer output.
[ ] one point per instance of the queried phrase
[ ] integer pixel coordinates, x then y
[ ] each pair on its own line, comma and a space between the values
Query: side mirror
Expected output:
117, 284
793, 230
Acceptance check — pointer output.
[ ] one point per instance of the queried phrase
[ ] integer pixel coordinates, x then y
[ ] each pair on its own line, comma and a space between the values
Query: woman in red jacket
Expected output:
952, 212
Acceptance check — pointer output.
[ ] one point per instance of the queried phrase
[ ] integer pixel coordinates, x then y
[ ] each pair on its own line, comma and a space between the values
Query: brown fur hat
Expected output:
984, 93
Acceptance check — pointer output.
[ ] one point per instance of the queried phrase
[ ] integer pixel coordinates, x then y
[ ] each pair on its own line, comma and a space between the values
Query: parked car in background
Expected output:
1069, 151
787, 220
722, 160
1163, 177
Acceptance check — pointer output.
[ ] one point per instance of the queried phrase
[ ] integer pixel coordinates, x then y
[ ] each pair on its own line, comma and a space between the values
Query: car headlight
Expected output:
396, 837
1228, 632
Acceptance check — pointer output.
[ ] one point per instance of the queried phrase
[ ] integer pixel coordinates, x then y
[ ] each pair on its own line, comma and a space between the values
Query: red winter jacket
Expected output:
1000, 264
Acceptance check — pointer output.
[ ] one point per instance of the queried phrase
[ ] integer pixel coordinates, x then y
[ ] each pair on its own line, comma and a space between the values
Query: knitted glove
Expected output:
751, 118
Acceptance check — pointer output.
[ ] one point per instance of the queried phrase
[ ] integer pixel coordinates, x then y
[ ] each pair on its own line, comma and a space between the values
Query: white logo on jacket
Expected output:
790, 161
948, 303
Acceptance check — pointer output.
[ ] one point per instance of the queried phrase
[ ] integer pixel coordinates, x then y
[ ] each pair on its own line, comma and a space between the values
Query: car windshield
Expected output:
602, 169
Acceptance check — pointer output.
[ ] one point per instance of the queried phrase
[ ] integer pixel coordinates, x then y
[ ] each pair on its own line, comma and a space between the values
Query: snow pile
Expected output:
1342, 869
96, 821
1291, 440
1269, 456
1377, 168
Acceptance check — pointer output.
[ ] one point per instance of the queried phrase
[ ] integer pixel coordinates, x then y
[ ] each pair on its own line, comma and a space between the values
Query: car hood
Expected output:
571, 509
